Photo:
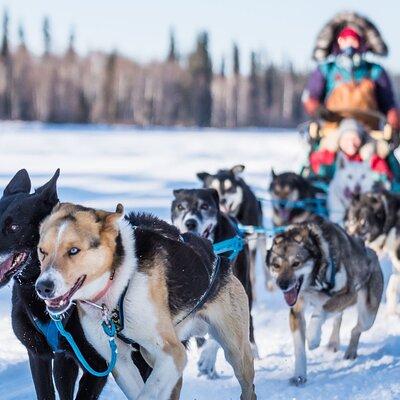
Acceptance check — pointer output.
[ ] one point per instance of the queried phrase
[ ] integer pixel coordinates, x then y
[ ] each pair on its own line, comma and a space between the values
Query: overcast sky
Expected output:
280, 30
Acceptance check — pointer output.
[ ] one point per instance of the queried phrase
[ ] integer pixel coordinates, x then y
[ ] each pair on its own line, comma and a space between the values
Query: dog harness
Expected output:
113, 324
50, 332
108, 328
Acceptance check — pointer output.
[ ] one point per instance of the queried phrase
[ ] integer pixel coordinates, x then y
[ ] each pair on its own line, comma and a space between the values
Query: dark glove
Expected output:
327, 115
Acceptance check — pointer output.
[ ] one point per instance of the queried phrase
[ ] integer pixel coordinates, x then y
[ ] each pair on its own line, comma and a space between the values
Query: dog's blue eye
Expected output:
180, 207
73, 251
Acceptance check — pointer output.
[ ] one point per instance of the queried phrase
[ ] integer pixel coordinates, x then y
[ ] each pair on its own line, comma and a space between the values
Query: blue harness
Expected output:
50, 332
315, 205
233, 245
108, 328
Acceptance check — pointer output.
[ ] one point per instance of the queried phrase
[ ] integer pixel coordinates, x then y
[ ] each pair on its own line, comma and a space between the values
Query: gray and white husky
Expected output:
375, 217
351, 179
317, 263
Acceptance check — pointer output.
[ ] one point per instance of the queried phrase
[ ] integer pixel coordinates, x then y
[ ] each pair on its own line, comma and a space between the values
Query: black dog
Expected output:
20, 217
294, 198
238, 200
197, 211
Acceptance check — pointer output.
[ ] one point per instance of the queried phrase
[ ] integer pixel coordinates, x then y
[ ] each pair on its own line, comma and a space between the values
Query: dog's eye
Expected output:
296, 264
43, 253
14, 228
73, 251
180, 207
363, 176
205, 207
350, 176
275, 266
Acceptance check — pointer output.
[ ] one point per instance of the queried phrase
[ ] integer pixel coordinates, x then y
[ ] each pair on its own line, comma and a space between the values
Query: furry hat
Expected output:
326, 43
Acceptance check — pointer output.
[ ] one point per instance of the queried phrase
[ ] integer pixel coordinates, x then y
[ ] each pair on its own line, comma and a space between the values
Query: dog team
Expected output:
159, 284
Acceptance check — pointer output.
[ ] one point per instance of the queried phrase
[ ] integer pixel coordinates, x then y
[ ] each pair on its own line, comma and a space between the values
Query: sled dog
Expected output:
351, 179
238, 200
317, 263
20, 215
286, 189
174, 287
197, 211
375, 218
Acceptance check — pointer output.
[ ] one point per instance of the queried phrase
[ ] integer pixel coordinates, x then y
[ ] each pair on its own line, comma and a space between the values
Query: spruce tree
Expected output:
172, 56
253, 94
21, 36
236, 60
200, 67
222, 68
71, 40
46, 36
5, 44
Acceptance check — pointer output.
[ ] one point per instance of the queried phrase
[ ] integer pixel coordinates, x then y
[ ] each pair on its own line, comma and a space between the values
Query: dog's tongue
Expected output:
284, 213
348, 194
5, 267
291, 296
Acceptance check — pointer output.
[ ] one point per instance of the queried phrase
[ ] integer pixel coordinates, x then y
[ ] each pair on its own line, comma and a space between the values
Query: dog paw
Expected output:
351, 354
334, 346
313, 344
206, 365
298, 381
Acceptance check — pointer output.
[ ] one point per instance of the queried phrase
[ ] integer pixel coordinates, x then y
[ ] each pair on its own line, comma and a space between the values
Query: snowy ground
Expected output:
103, 166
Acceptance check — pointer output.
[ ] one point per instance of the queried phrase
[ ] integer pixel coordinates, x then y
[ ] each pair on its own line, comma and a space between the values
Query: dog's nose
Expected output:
283, 284
191, 224
45, 288
357, 189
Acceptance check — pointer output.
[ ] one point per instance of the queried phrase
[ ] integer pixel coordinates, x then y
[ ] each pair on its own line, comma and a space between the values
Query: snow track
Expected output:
102, 166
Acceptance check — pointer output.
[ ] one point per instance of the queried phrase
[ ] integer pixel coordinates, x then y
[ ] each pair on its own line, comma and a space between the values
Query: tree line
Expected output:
177, 91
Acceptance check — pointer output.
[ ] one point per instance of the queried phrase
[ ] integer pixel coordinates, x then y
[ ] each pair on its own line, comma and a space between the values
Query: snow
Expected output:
101, 166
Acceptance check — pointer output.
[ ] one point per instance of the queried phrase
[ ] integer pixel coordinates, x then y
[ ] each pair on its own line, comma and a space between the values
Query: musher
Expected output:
346, 85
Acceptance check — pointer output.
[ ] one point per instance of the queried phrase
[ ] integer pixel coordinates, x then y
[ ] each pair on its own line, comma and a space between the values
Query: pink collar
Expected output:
104, 291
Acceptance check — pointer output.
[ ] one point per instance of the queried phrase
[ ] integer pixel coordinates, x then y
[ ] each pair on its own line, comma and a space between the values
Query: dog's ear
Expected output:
237, 169
215, 196
20, 183
273, 174
203, 176
48, 191
112, 218
177, 192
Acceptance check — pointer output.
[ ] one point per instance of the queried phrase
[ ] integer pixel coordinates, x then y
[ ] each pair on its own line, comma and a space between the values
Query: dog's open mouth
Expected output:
284, 213
292, 294
61, 304
12, 264
207, 232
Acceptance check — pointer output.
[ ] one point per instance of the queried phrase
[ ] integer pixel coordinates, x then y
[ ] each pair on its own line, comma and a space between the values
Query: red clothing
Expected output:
326, 157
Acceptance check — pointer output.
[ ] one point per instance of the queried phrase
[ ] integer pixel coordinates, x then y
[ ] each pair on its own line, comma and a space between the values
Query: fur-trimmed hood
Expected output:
326, 43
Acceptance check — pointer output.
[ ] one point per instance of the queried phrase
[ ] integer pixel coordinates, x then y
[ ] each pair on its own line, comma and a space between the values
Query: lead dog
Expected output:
197, 211
20, 215
376, 218
173, 289
317, 263
238, 200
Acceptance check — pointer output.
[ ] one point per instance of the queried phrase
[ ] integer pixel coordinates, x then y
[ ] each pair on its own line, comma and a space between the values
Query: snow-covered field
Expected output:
139, 168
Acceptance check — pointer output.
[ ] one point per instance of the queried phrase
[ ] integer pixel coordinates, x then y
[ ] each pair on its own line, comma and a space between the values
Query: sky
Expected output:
280, 30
